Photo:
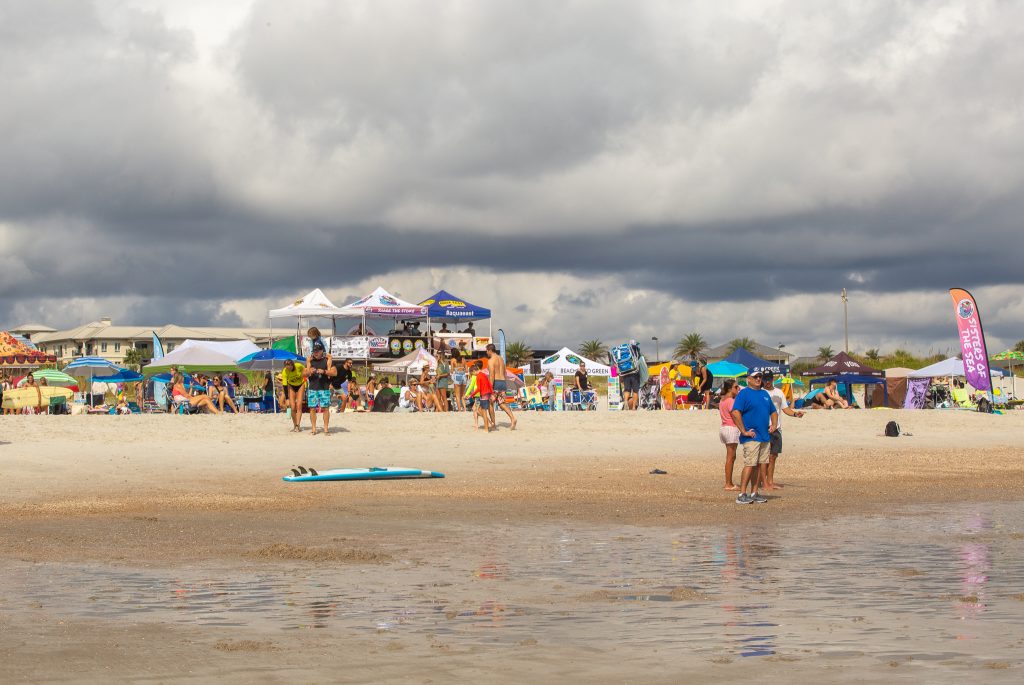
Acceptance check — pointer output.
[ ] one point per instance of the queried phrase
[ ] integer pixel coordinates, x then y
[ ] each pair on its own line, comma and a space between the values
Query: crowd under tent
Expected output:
848, 380
565, 362
411, 363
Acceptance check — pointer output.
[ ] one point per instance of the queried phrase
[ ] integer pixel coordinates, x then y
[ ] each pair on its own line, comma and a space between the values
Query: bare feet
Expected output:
313, 432
773, 486
732, 487
513, 427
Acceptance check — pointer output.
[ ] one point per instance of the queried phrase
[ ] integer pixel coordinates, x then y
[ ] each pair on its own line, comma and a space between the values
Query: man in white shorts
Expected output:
775, 444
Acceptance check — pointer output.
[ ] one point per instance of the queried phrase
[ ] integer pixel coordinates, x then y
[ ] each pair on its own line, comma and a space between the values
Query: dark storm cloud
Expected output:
714, 155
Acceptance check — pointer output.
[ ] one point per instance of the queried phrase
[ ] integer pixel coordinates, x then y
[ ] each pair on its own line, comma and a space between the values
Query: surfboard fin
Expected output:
295, 472
313, 472
302, 470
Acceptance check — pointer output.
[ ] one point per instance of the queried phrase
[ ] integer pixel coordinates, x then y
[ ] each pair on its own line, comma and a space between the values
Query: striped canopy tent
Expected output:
15, 354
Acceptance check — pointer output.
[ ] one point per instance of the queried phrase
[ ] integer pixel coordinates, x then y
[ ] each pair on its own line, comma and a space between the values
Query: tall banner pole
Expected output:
972, 341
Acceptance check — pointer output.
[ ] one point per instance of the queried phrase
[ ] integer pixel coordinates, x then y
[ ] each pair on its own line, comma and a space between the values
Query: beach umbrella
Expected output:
788, 380
122, 376
52, 376
90, 366
267, 360
724, 369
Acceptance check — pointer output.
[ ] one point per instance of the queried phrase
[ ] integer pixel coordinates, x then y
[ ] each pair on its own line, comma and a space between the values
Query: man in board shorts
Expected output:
496, 370
754, 414
318, 373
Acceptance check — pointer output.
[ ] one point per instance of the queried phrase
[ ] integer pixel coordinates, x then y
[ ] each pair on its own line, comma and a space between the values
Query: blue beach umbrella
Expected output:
268, 360
122, 376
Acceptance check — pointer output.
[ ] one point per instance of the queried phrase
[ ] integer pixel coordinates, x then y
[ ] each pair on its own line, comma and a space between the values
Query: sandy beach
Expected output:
204, 493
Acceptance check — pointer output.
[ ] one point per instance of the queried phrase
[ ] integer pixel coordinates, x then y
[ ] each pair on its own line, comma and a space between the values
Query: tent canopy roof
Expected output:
381, 304
843, 363
204, 355
314, 303
751, 361
948, 367
566, 362
444, 307
413, 362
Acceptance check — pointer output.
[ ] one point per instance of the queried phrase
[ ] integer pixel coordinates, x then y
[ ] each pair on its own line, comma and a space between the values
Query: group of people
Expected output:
750, 421
204, 393
7, 383
454, 382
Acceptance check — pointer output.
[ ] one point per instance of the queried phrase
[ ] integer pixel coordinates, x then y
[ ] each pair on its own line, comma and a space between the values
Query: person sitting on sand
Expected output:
122, 407
729, 434
829, 397
179, 395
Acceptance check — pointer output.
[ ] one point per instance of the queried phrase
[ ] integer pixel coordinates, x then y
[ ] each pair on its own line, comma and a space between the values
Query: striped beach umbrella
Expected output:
89, 367
53, 377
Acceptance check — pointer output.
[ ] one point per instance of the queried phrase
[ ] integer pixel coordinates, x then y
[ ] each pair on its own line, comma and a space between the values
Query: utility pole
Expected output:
846, 325
657, 348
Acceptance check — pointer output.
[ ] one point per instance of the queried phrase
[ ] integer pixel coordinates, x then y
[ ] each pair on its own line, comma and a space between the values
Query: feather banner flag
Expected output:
972, 340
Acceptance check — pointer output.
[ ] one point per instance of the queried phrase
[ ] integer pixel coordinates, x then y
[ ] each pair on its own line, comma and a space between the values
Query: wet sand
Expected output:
168, 492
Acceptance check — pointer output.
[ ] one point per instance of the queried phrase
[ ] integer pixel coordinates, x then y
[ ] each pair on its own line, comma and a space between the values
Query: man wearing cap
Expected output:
755, 416
775, 444
318, 373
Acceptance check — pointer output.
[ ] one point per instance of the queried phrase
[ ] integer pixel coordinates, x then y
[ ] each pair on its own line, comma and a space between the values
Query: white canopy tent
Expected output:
380, 304
204, 355
952, 367
410, 363
314, 304
565, 362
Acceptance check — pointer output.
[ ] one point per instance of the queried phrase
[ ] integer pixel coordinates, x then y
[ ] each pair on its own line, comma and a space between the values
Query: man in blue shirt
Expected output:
756, 418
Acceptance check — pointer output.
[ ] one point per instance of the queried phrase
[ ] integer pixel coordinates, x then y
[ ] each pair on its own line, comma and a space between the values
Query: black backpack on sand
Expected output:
892, 430
984, 406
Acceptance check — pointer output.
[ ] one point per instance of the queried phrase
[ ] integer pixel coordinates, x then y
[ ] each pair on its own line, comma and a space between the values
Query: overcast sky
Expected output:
586, 169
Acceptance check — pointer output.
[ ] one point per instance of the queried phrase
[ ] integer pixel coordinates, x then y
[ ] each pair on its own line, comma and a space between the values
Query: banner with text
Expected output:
972, 340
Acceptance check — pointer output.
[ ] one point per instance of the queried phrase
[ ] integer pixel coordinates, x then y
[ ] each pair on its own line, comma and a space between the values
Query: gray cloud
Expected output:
707, 154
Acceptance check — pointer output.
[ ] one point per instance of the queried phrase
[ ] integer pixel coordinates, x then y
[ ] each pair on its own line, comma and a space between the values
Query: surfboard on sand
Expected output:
301, 474
38, 396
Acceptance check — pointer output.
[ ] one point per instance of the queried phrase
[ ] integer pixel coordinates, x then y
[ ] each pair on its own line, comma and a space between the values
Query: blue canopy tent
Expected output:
755, 363
447, 308
848, 380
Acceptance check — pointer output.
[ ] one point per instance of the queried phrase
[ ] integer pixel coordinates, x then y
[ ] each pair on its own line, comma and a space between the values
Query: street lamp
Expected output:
846, 325
657, 348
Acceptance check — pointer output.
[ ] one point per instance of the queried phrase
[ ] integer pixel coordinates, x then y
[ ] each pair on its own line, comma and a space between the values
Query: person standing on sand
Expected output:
318, 374
729, 434
754, 414
775, 445
293, 378
480, 389
496, 369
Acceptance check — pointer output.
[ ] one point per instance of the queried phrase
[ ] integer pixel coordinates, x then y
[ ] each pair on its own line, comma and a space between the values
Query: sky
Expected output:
599, 169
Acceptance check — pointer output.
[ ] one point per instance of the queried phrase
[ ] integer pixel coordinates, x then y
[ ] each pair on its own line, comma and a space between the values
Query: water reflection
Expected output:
895, 588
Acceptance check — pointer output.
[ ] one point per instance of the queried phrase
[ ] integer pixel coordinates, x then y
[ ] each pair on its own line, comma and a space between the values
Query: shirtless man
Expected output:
496, 370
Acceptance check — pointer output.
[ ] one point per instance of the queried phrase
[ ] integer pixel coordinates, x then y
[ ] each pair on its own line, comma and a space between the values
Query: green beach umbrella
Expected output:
54, 377
1007, 355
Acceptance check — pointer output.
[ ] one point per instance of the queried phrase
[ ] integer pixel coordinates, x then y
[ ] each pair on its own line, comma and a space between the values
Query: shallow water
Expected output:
933, 586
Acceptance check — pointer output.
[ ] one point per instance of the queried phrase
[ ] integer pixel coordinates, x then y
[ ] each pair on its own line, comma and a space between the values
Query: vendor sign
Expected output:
972, 339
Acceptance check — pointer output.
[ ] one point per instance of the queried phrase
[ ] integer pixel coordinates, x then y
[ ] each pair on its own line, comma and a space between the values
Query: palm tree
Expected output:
825, 353
690, 346
741, 344
518, 352
872, 354
593, 349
